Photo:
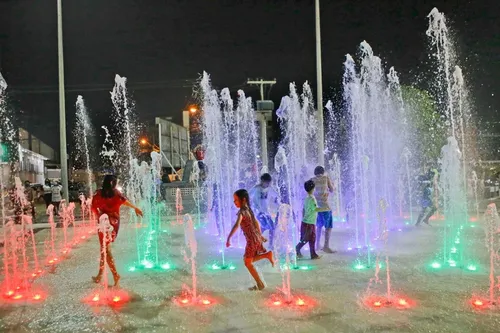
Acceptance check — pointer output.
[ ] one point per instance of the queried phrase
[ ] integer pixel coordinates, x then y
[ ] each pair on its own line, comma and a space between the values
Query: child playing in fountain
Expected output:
308, 226
108, 200
323, 187
254, 250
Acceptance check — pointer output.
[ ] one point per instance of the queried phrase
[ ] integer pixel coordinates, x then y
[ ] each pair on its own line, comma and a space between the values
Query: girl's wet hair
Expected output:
108, 186
242, 194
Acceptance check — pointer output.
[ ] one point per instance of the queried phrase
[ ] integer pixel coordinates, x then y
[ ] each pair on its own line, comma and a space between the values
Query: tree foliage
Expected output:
427, 127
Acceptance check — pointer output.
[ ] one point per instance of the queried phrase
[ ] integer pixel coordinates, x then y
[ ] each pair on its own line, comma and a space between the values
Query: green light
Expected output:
215, 267
231, 267
304, 268
165, 266
436, 265
472, 267
131, 269
147, 264
452, 263
453, 250
359, 266
457, 241
4, 152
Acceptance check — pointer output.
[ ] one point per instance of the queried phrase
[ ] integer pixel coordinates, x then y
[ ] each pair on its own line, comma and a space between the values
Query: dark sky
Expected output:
157, 44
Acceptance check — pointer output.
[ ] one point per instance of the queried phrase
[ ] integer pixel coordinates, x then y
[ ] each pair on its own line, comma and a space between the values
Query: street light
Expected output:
319, 77
62, 104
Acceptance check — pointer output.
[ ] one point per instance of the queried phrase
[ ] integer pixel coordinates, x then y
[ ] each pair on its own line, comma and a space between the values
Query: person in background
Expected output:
261, 196
323, 187
108, 200
30, 196
56, 198
429, 197
47, 193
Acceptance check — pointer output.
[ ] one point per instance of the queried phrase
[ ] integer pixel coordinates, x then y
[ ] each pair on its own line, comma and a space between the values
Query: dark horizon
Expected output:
161, 48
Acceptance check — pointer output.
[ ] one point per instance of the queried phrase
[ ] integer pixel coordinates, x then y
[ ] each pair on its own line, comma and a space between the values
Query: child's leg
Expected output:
111, 264
312, 244
98, 277
268, 255
249, 265
421, 215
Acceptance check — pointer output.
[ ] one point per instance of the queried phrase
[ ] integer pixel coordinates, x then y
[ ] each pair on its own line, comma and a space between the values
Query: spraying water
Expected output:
378, 122
295, 158
493, 245
231, 152
83, 133
190, 251
283, 248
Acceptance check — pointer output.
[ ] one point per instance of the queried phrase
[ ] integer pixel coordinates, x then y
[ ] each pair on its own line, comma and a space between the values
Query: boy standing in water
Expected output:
323, 187
261, 196
308, 225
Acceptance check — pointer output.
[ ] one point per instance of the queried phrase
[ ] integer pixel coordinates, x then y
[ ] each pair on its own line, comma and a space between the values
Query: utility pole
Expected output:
319, 78
62, 104
263, 116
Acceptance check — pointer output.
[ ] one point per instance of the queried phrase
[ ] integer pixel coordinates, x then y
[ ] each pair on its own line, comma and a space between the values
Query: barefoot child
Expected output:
308, 226
108, 201
254, 250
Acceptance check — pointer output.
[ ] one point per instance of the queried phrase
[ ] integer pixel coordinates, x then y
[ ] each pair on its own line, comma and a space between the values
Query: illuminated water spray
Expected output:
231, 153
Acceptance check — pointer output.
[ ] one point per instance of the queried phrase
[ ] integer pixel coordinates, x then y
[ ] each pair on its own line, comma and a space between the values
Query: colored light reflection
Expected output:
359, 266
436, 265
165, 266
184, 301
300, 302
206, 302
472, 267
402, 301
377, 304
37, 297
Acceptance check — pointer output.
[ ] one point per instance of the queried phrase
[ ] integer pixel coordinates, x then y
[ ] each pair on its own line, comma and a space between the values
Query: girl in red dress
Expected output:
254, 250
108, 201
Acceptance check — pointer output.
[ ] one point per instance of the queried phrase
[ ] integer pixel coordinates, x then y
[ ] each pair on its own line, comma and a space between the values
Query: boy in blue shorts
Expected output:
323, 187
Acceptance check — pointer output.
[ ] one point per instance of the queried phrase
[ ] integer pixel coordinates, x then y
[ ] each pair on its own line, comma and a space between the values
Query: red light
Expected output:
116, 299
205, 302
300, 302
18, 296
478, 302
51, 261
403, 302
377, 304
33, 275
96, 298
83, 237
277, 303
184, 301
10, 293
37, 297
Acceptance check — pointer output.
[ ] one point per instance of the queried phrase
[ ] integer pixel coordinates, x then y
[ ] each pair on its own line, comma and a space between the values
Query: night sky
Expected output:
160, 45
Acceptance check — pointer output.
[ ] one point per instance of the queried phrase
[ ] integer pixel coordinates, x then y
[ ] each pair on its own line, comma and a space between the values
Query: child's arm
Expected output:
233, 230
331, 188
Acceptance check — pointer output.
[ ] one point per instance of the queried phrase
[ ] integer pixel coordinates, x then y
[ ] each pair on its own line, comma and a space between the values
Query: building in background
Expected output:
35, 157
171, 140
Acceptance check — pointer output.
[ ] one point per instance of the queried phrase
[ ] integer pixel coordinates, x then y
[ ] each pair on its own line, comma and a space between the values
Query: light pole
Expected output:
319, 78
62, 104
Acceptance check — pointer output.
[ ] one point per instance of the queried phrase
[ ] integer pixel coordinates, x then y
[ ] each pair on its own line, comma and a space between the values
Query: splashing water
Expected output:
230, 141
378, 120
493, 244
295, 156
178, 206
83, 134
283, 248
190, 251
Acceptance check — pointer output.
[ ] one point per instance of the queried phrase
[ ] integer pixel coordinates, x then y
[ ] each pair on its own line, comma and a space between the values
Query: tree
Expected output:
427, 126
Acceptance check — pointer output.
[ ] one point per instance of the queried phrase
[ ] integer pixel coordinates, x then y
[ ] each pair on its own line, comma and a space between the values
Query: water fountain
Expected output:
295, 161
492, 241
378, 120
83, 138
190, 295
231, 153
452, 98
105, 296
178, 206
387, 298
149, 254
